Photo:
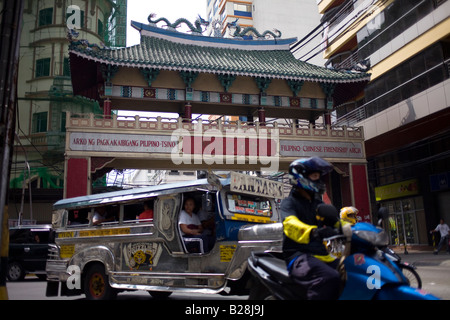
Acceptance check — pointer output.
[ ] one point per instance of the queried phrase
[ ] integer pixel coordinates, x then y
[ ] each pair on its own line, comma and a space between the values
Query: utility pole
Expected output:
10, 30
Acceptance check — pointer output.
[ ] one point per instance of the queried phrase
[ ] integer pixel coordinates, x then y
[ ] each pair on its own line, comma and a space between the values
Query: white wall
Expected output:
294, 18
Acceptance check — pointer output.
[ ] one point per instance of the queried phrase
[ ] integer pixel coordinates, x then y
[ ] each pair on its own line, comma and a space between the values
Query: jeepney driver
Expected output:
191, 226
189, 222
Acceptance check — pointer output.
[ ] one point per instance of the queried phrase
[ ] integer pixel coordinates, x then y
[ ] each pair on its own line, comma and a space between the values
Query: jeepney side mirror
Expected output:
58, 218
207, 202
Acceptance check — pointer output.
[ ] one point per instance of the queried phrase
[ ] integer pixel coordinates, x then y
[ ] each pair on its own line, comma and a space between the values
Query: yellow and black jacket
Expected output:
299, 220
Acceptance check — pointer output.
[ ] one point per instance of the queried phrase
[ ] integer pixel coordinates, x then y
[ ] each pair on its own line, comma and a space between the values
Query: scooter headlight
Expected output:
378, 239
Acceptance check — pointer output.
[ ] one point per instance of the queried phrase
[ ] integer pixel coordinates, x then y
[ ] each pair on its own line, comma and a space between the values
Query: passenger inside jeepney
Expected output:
148, 211
78, 217
102, 215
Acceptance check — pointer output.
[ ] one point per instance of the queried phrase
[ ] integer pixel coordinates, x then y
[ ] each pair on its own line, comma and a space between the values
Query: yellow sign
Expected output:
251, 218
104, 232
397, 190
68, 234
226, 252
66, 251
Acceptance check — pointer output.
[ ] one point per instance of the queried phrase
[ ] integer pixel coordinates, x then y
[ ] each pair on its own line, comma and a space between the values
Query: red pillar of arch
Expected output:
77, 176
360, 191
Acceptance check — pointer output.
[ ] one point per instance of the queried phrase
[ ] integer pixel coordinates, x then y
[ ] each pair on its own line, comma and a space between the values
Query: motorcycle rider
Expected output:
349, 214
306, 256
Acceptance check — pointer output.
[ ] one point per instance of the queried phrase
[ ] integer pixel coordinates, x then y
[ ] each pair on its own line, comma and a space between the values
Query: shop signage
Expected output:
440, 181
397, 190
325, 149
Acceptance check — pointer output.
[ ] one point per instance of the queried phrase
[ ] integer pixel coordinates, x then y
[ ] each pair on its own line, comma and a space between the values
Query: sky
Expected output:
138, 10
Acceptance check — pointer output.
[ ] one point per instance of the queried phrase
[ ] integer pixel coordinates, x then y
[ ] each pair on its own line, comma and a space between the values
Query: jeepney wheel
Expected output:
96, 284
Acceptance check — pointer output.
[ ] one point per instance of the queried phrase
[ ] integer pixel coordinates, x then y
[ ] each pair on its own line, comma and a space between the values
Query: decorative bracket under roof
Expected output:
263, 83
328, 89
149, 74
295, 85
108, 71
226, 80
188, 77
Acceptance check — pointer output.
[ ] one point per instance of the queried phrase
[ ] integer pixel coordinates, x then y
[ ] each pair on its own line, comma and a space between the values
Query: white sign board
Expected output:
113, 142
256, 186
323, 149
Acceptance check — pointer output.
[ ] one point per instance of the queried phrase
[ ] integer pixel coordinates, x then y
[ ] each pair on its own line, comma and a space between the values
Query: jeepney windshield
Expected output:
248, 204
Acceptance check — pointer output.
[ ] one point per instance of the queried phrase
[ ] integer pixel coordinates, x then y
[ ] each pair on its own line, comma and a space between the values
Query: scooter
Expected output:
408, 269
367, 272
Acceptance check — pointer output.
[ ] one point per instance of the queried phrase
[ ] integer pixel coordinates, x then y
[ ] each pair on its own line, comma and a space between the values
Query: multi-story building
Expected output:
294, 18
45, 94
405, 109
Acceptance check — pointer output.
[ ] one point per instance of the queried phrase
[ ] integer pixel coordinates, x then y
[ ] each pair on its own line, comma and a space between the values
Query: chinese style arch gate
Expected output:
190, 74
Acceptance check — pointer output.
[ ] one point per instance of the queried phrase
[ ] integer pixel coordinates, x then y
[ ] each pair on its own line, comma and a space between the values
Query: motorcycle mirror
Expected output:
383, 213
328, 213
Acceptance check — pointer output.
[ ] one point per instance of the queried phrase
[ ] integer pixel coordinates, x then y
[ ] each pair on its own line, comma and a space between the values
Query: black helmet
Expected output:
300, 169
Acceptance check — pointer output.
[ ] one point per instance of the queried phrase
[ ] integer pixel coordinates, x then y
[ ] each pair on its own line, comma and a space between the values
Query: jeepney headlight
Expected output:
378, 239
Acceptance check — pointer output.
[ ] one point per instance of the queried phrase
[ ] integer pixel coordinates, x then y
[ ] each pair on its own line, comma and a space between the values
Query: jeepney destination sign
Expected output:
255, 186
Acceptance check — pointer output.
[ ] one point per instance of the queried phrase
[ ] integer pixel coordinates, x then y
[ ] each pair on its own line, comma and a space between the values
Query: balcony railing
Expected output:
301, 129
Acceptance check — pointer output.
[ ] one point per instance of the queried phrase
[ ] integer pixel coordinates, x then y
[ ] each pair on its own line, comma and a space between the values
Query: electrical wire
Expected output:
355, 23
383, 31
339, 14
334, 18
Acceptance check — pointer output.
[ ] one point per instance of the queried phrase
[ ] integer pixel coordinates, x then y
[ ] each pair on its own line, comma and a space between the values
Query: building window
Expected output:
66, 68
413, 76
45, 17
42, 68
389, 24
243, 10
63, 121
39, 122
100, 29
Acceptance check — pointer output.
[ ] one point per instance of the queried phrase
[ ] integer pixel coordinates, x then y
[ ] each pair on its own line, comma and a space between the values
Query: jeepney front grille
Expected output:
53, 252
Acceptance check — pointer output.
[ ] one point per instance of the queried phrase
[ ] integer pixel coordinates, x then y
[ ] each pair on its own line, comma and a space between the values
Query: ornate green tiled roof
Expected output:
171, 50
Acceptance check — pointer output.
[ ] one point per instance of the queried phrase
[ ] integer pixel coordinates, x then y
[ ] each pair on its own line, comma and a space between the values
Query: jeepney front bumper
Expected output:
255, 238
56, 267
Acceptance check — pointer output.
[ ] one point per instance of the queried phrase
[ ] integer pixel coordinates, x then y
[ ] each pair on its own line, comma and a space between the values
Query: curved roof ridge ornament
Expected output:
195, 28
240, 33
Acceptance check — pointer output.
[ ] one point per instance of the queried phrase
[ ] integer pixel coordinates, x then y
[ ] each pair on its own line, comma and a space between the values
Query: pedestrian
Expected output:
444, 230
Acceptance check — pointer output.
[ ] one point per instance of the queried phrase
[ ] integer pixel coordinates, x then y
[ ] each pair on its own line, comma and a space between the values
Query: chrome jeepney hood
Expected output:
258, 232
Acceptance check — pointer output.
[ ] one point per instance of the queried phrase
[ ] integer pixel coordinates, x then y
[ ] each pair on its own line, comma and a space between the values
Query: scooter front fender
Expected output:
403, 292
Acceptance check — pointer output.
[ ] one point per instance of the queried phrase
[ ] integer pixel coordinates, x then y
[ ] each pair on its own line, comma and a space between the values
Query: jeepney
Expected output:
152, 255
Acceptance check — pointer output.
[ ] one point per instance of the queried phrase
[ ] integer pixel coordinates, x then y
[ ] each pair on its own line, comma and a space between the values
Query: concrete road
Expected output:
433, 270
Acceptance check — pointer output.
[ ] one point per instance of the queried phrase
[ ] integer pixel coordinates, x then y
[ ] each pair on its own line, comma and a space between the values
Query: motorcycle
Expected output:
408, 269
367, 271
